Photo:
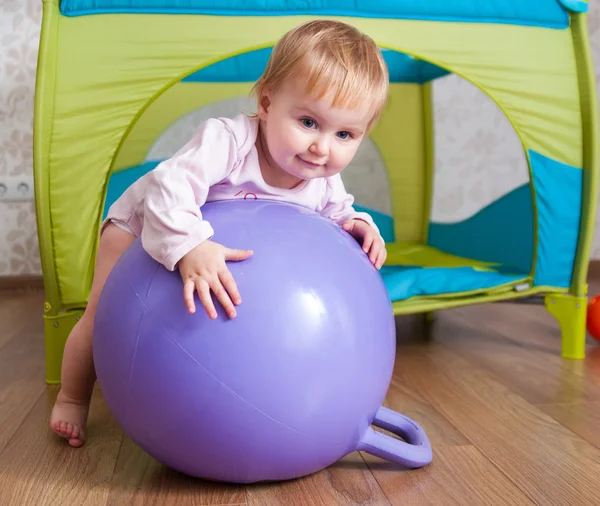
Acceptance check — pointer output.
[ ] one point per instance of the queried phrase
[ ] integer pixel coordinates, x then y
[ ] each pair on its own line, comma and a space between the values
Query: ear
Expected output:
264, 104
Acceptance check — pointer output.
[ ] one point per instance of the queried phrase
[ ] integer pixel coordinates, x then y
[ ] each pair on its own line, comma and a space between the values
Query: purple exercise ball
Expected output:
285, 389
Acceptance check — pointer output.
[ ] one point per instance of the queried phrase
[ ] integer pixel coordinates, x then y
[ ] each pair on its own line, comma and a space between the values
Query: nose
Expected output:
320, 146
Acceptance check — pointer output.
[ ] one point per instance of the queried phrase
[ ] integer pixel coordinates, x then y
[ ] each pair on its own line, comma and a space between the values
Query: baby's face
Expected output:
306, 137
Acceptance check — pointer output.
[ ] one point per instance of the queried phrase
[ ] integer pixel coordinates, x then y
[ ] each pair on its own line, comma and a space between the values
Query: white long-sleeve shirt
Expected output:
219, 162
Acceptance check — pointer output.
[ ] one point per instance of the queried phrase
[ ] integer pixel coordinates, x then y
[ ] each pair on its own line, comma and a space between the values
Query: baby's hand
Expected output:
204, 269
370, 239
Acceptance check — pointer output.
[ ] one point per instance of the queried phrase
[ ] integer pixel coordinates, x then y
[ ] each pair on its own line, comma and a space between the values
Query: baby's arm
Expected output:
178, 187
175, 232
339, 208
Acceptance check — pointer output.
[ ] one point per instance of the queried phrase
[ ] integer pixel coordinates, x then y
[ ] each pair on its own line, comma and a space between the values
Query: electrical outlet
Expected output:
16, 188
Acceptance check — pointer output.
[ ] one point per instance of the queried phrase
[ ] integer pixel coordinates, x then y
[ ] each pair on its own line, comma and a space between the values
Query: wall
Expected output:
19, 35
478, 156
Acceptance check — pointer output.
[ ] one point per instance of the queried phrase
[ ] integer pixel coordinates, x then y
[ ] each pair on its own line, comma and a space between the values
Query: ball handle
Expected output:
415, 451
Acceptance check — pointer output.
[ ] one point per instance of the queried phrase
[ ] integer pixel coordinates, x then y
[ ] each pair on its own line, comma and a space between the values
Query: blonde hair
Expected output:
331, 56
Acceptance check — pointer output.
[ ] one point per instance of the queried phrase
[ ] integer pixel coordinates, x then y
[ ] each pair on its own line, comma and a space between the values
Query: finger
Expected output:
205, 298
223, 297
237, 255
368, 241
381, 258
374, 252
230, 285
384, 255
348, 225
188, 295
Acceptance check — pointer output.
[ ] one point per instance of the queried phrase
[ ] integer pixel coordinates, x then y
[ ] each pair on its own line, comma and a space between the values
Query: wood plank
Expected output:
540, 376
18, 315
438, 429
551, 464
532, 327
38, 468
345, 483
458, 476
583, 418
141, 480
529, 325
22, 365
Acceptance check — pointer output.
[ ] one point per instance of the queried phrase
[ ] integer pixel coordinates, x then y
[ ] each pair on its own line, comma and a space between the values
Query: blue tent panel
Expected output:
502, 232
558, 196
405, 282
548, 13
248, 67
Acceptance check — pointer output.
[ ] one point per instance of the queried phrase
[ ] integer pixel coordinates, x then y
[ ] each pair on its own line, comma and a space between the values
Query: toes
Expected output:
76, 443
69, 431
56, 427
65, 429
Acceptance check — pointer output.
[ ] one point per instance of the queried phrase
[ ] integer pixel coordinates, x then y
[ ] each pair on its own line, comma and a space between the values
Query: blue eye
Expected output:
308, 123
344, 135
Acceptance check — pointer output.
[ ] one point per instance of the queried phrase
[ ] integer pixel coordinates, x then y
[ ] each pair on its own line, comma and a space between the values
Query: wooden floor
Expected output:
509, 420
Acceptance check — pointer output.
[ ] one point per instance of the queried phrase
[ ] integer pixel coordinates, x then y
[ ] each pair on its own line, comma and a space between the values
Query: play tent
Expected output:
114, 74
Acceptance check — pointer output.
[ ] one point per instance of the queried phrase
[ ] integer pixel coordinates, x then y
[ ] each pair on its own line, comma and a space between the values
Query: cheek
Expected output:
281, 145
343, 155
292, 139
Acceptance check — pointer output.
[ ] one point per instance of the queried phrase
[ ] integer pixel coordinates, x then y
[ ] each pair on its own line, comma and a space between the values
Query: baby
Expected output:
324, 87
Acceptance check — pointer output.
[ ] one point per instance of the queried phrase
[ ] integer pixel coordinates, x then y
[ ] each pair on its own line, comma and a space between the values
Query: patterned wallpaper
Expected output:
19, 36
478, 155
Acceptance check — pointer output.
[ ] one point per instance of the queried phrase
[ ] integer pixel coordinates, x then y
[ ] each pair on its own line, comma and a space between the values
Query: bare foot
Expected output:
68, 419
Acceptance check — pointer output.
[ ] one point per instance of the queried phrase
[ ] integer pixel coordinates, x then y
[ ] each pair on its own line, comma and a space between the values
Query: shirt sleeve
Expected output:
339, 204
179, 186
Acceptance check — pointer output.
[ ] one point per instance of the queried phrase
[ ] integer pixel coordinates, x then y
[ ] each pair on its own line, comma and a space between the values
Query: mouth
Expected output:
311, 164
